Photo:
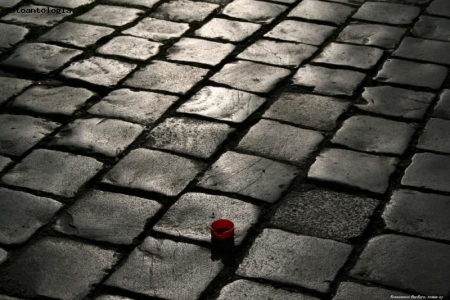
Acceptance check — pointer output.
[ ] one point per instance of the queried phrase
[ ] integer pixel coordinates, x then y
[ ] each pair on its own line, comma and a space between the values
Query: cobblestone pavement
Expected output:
321, 128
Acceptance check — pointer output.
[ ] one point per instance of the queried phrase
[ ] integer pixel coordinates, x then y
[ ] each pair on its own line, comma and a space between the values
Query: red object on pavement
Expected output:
222, 230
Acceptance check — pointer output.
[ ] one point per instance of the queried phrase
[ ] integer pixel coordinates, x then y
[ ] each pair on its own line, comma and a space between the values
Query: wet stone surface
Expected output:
184, 11
300, 260
11, 87
302, 32
22, 214
130, 47
426, 50
146, 270
11, 35
111, 15
4, 162
157, 30
228, 30
432, 28
324, 214
64, 3
36, 19
442, 109
54, 172
372, 35
254, 11
354, 291
322, 11
422, 266
107, 217
390, 13
440, 8
145, 3
436, 136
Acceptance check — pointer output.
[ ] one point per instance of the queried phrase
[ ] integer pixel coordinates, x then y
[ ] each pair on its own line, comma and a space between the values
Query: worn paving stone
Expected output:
139, 107
383, 36
395, 102
28, 15
254, 11
154, 171
328, 81
184, 11
324, 214
41, 58
420, 265
429, 171
111, 15
440, 8
4, 162
278, 53
354, 291
21, 215
145, 3
98, 135
436, 136
308, 110
54, 172
301, 32
166, 269
390, 13
157, 30
360, 170
228, 30
3, 257
11, 87
426, 50
9, 3
412, 73
322, 11
130, 47
251, 77
166, 76
98, 71
64, 3
418, 214
222, 104
192, 215
248, 175
189, 136
279, 141
107, 217
301, 260
432, 28
60, 268
442, 109
19, 133
11, 35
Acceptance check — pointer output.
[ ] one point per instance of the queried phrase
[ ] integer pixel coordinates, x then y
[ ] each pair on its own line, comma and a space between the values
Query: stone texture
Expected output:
18, 133
191, 216
130, 47
107, 217
354, 291
64, 3
3, 257
301, 260
11, 35
60, 268
432, 28
111, 297
254, 11
436, 136
154, 171
390, 13
9, 3
372, 35
22, 214
59, 173
11, 87
248, 175
4, 162
157, 30
442, 109
228, 30
189, 136
440, 8
322, 11
249, 76
28, 15
426, 50
301, 32
420, 265
165, 269
184, 11
111, 15
324, 214
144, 3
363, 171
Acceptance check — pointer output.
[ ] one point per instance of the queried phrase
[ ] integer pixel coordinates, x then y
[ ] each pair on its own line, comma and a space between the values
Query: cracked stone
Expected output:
390, 13
9, 3
54, 172
145, 3
436, 136
130, 47
440, 8
354, 291
247, 175
166, 269
3, 257
383, 36
425, 50
184, 11
228, 30
432, 28
111, 15
11, 87
254, 11
301, 32
4, 162
11, 35
50, 17
157, 30
64, 3
442, 109
322, 11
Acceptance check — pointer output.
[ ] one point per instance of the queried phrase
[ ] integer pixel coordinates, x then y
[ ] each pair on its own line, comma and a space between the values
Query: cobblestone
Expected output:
11, 87
372, 35
130, 47
4, 162
254, 11
425, 50
432, 28
64, 3
442, 109
439, 7
47, 19
11, 35
145, 3
322, 11
228, 30
9, 3
157, 30
301, 32
390, 13
111, 15
436, 136
354, 291
184, 11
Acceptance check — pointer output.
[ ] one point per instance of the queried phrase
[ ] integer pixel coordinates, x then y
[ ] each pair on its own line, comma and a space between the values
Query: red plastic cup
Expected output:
222, 230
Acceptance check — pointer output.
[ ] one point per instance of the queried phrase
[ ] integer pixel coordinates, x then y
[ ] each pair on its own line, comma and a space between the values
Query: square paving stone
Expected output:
107, 217
442, 109
429, 171
360, 57
278, 53
280, 141
247, 175
111, 15
32, 15
11, 35
328, 81
420, 265
426, 50
305, 261
62, 100
395, 102
432, 28
249, 76
157, 30
4, 162
308, 110
11, 87
355, 169
439, 7
222, 104
354, 291
254, 11
166, 269
191, 216
302, 32
9, 3
98, 70
189, 136
3, 257
419, 214
139, 107
64, 3
166, 76
436, 136
412, 73
227, 30
322, 11
371, 134
55, 172
60, 268
184, 11
372, 35
390, 13
98, 135
18, 133
41, 58
144, 3
324, 214
22, 214
154, 171
199, 51
130, 47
